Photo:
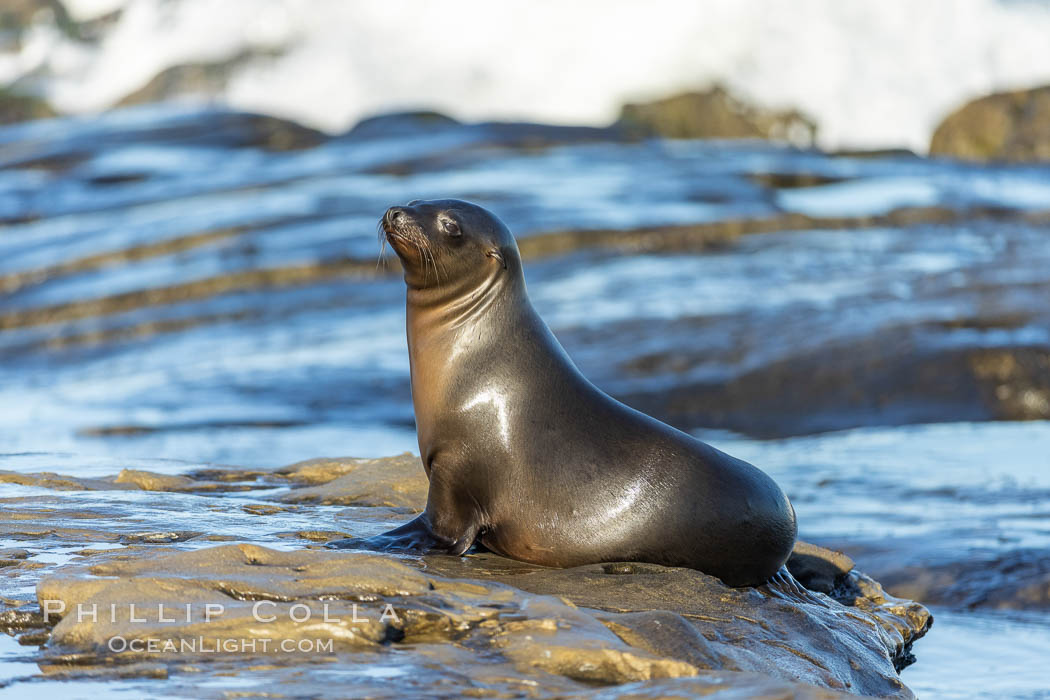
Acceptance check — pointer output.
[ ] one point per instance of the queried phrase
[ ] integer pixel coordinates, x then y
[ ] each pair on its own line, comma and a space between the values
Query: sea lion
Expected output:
528, 457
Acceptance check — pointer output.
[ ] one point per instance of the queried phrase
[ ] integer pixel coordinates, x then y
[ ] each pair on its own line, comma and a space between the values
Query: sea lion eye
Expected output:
451, 227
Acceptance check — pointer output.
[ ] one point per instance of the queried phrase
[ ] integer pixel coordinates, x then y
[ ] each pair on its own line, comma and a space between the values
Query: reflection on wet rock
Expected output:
580, 623
497, 620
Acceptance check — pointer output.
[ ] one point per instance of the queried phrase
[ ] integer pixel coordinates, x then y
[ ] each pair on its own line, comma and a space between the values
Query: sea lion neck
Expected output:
452, 305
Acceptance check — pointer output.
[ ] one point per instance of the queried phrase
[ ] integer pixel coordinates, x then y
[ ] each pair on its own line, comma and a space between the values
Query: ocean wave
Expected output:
872, 74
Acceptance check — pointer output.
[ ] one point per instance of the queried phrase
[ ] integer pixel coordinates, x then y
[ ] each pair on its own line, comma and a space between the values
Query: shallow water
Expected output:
1003, 655
117, 349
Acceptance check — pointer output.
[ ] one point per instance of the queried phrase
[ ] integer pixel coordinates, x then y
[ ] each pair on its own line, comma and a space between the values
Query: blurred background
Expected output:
816, 234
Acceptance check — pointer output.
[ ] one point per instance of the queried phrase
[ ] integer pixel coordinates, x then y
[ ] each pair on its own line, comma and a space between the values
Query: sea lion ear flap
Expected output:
497, 254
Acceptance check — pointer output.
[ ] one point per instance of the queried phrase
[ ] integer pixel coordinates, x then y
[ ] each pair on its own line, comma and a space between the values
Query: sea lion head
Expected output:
449, 243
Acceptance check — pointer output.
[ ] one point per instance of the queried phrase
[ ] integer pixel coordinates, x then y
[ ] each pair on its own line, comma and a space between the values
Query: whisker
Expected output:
438, 269
381, 261
423, 257
433, 263
429, 252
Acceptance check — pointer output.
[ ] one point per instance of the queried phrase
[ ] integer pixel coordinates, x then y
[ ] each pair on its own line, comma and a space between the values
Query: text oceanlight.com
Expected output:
205, 645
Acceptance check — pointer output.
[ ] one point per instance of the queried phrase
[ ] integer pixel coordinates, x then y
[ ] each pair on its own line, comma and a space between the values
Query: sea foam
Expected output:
872, 74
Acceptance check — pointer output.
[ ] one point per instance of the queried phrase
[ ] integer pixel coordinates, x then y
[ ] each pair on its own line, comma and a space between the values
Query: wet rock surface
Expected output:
710, 621
397, 482
504, 625
889, 378
1017, 579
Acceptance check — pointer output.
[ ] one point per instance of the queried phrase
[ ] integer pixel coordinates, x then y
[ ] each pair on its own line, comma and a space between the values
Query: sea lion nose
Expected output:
393, 214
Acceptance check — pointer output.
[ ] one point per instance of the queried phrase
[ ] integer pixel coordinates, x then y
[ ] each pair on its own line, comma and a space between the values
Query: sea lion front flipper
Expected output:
448, 525
414, 536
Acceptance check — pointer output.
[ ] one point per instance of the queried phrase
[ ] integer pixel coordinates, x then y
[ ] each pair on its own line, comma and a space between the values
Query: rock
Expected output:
149, 481
965, 344
227, 474
1016, 580
792, 633
480, 617
27, 526
18, 15
793, 180
128, 479
296, 274
313, 535
528, 136
59, 482
12, 557
327, 586
146, 670
13, 553
241, 130
1010, 126
716, 114
202, 80
396, 482
561, 640
17, 107
390, 482
313, 472
401, 124
467, 143
904, 621
714, 235
262, 509
159, 537
21, 619
819, 569
897, 376
525, 136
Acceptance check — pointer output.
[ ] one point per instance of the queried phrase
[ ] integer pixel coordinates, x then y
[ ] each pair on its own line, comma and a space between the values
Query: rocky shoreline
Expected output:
504, 625
1002, 127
